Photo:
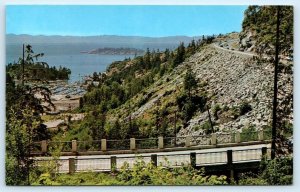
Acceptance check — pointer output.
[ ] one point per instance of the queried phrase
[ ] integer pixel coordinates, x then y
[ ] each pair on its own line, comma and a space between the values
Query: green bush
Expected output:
249, 134
278, 171
147, 174
140, 174
244, 108
206, 126
275, 172
215, 111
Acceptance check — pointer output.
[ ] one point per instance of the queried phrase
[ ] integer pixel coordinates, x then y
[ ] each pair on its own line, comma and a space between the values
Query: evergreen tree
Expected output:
147, 59
190, 82
23, 126
180, 55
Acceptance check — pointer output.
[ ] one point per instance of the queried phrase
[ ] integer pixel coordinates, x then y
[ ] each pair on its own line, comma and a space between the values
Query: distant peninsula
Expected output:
115, 51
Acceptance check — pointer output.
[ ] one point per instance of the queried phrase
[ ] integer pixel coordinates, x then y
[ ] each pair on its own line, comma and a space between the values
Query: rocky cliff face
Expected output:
247, 41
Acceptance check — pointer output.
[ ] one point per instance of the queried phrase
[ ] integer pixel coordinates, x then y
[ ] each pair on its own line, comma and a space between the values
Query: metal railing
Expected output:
170, 142
150, 143
118, 144
147, 143
225, 138
120, 161
173, 160
94, 145
96, 164
36, 146
249, 136
267, 134
201, 140
249, 155
63, 146
219, 157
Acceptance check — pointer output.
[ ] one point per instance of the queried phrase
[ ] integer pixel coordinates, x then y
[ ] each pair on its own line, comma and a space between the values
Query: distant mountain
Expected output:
102, 41
115, 51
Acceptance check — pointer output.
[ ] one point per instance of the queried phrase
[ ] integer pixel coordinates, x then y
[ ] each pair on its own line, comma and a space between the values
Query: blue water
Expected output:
69, 56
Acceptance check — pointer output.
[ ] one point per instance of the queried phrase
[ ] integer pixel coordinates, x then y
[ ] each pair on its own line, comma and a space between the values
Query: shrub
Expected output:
140, 174
188, 110
275, 172
215, 111
206, 126
279, 171
249, 134
244, 108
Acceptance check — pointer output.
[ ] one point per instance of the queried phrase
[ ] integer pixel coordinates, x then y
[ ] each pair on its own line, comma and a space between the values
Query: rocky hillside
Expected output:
234, 80
239, 90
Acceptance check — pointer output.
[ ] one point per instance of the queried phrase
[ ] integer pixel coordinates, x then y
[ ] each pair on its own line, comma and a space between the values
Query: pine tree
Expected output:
190, 82
180, 55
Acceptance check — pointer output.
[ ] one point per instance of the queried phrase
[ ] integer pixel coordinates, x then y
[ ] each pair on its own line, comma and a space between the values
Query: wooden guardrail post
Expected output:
44, 146
103, 145
261, 135
160, 142
71, 165
188, 141
132, 144
214, 139
264, 151
154, 159
113, 163
237, 138
74, 146
230, 165
193, 159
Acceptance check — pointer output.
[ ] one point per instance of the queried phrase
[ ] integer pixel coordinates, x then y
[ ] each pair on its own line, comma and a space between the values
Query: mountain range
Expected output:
104, 40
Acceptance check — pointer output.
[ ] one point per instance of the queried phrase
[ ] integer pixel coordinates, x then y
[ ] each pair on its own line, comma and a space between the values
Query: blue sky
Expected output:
130, 20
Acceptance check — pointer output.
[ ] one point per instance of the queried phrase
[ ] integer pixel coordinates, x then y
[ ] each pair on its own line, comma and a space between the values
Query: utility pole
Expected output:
157, 119
210, 121
175, 131
130, 125
23, 67
273, 147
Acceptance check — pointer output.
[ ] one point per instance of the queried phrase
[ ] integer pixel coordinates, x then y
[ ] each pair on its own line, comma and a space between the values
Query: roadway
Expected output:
248, 54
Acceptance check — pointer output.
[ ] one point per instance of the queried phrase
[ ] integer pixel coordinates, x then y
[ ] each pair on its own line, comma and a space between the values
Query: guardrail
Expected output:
150, 143
195, 159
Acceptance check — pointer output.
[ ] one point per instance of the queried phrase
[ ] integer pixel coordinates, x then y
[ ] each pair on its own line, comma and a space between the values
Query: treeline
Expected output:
35, 70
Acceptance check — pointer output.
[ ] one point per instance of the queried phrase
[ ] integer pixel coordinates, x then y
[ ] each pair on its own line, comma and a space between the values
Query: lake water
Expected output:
68, 56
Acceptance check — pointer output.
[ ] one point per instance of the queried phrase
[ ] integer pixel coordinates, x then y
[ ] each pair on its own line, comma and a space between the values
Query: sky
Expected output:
130, 20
